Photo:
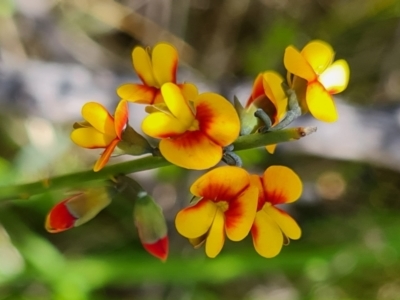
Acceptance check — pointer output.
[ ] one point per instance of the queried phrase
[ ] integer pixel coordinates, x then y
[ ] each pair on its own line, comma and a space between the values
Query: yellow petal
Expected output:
287, 224
90, 138
272, 83
217, 118
241, 213
189, 91
267, 236
121, 117
223, 183
192, 150
320, 103
194, 221
296, 64
271, 148
319, 55
336, 77
137, 93
177, 104
98, 116
161, 125
281, 185
105, 156
216, 237
143, 67
165, 61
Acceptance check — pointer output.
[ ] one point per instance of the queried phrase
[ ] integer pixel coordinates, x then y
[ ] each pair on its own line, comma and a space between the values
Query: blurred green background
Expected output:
55, 55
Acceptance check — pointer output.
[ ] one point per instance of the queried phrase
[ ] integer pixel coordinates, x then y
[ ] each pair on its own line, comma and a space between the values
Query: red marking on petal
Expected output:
254, 232
105, 156
275, 198
257, 91
205, 116
158, 249
60, 218
187, 139
121, 117
261, 194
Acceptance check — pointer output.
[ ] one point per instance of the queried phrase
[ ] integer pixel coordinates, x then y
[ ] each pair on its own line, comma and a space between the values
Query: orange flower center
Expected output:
223, 205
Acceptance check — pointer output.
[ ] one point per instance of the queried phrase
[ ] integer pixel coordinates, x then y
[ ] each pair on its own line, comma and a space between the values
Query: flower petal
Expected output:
60, 218
241, 213
189, 91
320, 103
98, 116
137, 93
257, 90
217, 118
192, 150
194, 221
267, 236
143, 67
296, 64
216, 237
281, 185
105, 156
336, 77
272, 83
177, 104
90, 138
287, 224
165, 61
223, 183
158, 249
319, 55
121, 117
161, 125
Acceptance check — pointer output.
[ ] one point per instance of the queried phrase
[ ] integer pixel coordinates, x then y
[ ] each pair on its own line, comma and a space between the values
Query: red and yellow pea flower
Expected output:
192, 134
227, 204
267, 94
77, 209
100, 129
154, 69
272, 226
316, 75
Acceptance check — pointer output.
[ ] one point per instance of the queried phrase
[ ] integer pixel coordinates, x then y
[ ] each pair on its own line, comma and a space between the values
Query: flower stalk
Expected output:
79, 179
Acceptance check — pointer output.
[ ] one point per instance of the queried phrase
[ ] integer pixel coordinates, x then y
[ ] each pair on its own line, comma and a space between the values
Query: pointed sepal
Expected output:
248, 122
133, 143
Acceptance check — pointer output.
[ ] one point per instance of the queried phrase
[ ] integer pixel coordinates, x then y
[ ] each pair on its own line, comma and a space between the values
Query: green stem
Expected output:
24, 191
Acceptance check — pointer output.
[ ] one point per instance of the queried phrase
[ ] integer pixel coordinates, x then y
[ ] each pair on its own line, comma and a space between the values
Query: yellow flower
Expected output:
322, 77
272, 225
101, 130
227, 204
154, 70
268, 94
193, 133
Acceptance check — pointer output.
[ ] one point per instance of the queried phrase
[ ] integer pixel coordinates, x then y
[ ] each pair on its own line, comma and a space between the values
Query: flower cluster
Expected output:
197, 131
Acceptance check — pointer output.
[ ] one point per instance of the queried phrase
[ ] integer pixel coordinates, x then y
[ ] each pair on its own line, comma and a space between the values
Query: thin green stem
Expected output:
80, 179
